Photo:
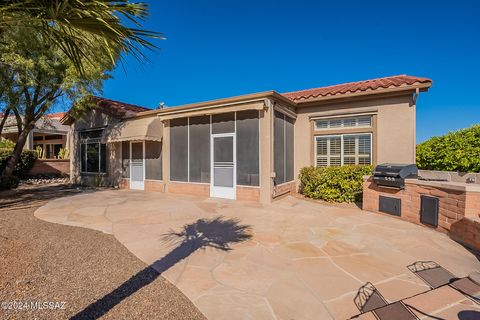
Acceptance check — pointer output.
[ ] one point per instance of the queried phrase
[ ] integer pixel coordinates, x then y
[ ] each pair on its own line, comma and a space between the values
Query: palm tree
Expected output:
73, 25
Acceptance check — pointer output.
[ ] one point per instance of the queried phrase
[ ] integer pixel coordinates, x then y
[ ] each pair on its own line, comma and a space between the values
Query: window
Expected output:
350, 122
342, 150
93, 153
283, 148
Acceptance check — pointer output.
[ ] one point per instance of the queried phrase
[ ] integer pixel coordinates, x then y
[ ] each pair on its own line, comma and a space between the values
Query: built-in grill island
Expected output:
445, 201
393, 175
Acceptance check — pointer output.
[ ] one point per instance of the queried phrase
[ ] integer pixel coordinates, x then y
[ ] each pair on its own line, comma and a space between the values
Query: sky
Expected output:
216, 49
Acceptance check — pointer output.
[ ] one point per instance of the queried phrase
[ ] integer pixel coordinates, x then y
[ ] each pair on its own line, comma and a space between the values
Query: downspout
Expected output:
415, 99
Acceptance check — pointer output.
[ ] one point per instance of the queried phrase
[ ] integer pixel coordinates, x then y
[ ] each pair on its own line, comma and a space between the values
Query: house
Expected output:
248, 147
49, 134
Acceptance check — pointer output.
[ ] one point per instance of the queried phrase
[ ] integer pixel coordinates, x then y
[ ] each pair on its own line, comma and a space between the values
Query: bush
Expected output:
334, 184
6, 144
455, 151
24, 165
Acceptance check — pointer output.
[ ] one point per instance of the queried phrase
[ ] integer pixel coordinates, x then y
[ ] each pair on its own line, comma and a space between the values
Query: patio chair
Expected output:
432, 273
469, 286
369, 299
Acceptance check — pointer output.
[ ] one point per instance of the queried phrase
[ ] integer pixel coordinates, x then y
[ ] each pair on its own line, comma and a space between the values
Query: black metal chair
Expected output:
436, 276
368, 298
432, 273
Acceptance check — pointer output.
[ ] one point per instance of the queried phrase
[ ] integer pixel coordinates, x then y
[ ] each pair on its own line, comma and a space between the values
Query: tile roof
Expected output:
117, 108
113, 108
357, 87
56, 115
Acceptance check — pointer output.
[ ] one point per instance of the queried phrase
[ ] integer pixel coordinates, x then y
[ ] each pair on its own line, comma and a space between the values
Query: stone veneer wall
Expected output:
285, 189
198, 189
459, 206
50, 167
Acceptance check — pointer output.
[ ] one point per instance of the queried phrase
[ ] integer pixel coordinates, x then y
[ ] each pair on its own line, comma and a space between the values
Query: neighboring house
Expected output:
248, 147
48, 133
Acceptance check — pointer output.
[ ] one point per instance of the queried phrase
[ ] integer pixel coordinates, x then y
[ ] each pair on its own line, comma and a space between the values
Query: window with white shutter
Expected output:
347, 149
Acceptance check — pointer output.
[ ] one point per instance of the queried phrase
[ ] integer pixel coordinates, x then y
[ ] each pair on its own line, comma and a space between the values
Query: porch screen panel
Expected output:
83, 158
279, 147
179, 149
223, 123
153, 160
247, 148
289, 149
126, 159
199, 146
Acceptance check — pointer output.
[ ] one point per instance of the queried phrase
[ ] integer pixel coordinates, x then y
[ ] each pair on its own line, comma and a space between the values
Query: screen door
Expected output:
223, 166
137, 166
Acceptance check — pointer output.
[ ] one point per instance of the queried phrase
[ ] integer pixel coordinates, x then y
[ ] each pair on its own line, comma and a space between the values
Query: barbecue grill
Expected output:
393, 175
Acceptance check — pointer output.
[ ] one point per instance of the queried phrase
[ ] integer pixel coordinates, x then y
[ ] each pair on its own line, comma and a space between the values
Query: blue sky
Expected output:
217, 49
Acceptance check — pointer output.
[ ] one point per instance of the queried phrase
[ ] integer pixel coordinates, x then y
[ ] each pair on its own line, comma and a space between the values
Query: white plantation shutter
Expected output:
343, 150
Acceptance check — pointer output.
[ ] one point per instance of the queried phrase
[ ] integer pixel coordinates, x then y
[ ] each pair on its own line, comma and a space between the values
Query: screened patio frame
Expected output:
211, 134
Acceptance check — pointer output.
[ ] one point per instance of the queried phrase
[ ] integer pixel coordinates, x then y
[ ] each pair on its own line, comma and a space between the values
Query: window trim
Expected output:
342, 156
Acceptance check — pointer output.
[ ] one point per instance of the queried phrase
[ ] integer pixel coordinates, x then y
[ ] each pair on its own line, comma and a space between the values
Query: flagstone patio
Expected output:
304, 260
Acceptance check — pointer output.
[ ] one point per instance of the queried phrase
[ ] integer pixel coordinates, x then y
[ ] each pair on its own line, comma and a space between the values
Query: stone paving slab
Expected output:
304, 260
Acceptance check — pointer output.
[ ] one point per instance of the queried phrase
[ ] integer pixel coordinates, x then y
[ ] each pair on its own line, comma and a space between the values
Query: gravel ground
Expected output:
88, 270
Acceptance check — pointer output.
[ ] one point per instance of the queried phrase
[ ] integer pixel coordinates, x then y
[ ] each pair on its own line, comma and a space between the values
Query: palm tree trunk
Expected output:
17, 152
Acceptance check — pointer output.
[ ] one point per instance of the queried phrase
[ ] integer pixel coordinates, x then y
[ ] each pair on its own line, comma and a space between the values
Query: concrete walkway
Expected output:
304, 260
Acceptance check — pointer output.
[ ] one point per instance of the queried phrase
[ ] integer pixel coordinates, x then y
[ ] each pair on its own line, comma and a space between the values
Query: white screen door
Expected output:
137, 166
223, 166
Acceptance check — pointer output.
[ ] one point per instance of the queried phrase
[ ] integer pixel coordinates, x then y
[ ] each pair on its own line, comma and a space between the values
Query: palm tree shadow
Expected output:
218, 233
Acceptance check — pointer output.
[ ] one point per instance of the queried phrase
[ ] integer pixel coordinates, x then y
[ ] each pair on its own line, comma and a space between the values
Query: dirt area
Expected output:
52, 271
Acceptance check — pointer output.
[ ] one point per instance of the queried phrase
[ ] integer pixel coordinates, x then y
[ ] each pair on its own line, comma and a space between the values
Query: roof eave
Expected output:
218, 103
423, 87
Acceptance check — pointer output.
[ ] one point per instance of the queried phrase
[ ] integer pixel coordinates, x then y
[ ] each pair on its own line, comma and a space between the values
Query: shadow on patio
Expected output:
218, 233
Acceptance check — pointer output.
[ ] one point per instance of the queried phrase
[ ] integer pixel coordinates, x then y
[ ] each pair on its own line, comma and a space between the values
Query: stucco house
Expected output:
49, 134
248, 147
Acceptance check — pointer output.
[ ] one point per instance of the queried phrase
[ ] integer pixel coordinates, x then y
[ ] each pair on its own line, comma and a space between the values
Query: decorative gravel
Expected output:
51, 271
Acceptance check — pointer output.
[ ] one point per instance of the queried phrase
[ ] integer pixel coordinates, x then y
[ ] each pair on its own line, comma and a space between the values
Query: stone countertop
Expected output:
460, 186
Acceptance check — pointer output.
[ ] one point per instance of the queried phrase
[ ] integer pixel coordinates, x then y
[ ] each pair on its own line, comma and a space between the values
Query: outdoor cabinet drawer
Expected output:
390, 205
429, 210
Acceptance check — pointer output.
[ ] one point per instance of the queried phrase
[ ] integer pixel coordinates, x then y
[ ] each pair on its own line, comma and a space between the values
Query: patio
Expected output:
292, 259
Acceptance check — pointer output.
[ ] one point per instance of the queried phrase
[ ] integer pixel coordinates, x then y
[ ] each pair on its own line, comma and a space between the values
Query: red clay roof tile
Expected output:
355, 87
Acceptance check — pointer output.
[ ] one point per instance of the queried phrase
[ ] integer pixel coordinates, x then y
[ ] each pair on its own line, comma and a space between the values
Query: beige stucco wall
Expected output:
393, 131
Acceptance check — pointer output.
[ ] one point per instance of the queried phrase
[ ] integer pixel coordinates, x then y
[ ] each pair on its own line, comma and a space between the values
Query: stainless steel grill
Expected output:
393, 175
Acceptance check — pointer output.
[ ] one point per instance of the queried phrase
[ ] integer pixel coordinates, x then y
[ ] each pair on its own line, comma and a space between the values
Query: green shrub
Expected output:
26, 162
334, 184
6, 144
455, 151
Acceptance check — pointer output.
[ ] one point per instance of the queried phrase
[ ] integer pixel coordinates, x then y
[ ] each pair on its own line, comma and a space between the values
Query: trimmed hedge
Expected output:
24, 165
455, 151
334, 184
